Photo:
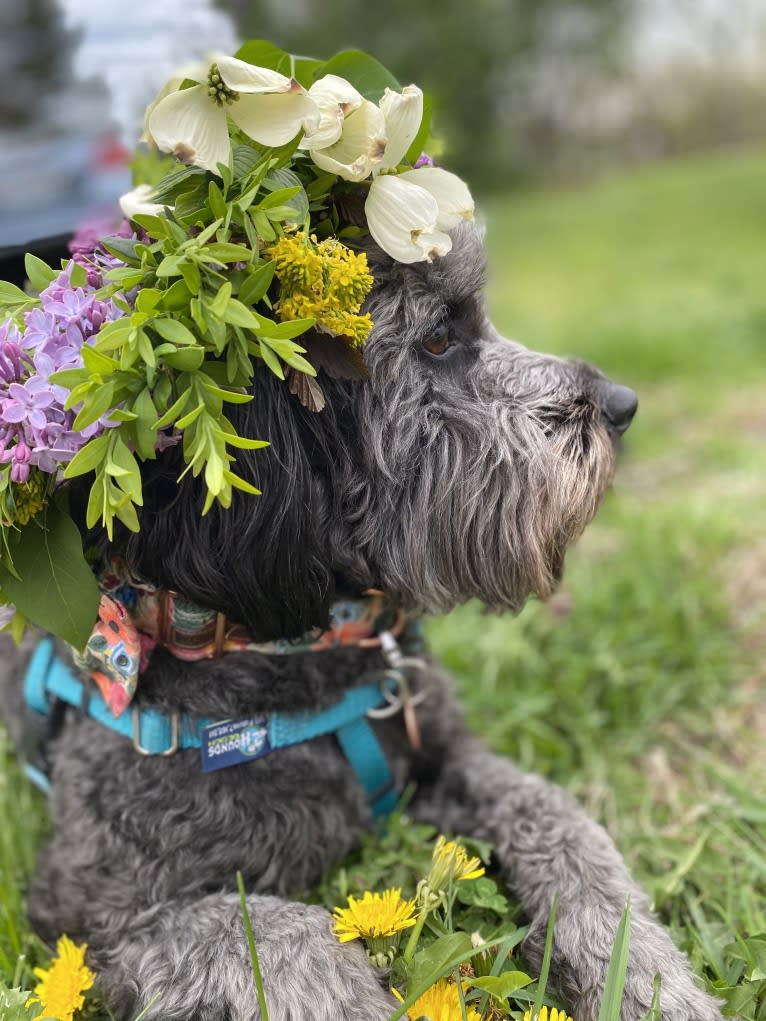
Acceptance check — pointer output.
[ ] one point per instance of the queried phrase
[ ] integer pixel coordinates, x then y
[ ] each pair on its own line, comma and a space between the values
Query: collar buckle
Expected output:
174, 731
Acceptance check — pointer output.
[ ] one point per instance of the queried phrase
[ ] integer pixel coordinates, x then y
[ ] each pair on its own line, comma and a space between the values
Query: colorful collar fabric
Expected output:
135, 617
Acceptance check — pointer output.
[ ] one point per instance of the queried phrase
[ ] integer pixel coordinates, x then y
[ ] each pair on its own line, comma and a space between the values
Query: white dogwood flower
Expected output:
365, 137
139, 201
336, 99
402, 218
407, 213
452, 196
191, 123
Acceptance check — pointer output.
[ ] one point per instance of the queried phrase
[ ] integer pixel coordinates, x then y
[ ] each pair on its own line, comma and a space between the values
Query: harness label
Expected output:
234, 741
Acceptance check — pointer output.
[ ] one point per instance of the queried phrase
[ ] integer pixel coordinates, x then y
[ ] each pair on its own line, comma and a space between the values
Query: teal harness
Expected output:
50, 685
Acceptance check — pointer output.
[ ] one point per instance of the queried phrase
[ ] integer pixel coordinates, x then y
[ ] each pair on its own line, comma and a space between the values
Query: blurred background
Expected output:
543, 90
618, 152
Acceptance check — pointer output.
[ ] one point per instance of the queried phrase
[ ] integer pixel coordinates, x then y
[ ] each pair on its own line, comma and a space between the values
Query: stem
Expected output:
412, 942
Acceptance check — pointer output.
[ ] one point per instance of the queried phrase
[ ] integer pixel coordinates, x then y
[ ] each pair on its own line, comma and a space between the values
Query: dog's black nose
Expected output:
618, 404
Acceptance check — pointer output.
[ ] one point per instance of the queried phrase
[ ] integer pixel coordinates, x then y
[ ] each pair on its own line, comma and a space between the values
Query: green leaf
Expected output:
238, 483
218, 305
439, 958
190, 273
238, 314
232, 396
178, 294
271, 360
123, 248
78, 276
263, 228
88, 457
501, 986
186, 421
173, 411
148, 298
257, 284
216, 200
242, 442
56, 588
123, 465
186, 359
224, 251
366, 74
96, 362
170, 266
265, 54
174, 331
39, 273
11, 295
94, 406
146, 434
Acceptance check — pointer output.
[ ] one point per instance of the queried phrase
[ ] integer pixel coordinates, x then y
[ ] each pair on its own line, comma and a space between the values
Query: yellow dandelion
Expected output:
441, 1003
450, 862
375, 915
548, 1015
61, 986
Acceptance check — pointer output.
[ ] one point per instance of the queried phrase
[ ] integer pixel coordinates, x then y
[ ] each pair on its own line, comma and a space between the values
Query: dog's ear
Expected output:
265, 561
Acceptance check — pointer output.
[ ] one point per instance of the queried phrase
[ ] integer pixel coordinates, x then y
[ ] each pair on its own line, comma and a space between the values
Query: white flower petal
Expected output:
196, 72
242, 77
336, 99
359, 149
275, 119
137, 201
192, 127
452, 195
402, 220
403, 112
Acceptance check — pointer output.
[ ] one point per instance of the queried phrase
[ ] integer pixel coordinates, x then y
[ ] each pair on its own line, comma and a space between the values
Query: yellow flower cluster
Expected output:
546, 1015
375, 915
325, 281
61, 986
29, 498
442, 1003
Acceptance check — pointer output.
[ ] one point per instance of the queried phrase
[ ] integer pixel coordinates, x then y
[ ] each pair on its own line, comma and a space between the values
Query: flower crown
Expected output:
145, 334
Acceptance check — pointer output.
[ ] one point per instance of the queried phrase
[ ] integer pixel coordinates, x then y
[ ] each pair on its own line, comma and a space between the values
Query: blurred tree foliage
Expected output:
483, 60
34, 57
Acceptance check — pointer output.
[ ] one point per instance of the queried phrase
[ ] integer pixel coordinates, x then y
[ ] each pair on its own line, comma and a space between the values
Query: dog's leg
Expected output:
546, 845
190, 960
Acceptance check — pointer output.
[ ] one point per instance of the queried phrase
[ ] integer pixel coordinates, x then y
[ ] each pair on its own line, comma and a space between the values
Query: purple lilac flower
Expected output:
423, 160
34, 427
88, 252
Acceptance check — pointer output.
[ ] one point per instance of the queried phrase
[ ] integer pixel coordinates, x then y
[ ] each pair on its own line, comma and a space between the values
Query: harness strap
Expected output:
155, 732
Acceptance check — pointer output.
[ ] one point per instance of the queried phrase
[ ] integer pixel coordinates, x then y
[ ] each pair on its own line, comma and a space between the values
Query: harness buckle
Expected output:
174, 729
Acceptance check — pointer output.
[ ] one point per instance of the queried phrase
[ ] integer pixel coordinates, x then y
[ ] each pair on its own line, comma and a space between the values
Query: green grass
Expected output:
637, 686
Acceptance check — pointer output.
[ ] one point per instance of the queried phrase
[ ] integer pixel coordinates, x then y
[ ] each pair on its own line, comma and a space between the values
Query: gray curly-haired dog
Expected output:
461, 468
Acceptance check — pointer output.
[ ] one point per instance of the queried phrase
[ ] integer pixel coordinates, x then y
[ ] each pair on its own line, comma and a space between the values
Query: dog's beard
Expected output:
477, 500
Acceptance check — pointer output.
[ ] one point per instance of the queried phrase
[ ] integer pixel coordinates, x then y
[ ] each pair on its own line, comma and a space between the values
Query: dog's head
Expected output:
462, 467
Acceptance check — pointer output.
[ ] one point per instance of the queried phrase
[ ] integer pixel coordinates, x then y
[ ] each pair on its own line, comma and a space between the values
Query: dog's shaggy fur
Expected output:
440, 478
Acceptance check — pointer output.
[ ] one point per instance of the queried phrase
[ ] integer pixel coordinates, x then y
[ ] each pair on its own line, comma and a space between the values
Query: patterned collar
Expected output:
135, 617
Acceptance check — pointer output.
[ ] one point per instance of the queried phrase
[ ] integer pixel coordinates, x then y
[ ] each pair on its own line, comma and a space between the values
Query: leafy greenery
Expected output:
196, 291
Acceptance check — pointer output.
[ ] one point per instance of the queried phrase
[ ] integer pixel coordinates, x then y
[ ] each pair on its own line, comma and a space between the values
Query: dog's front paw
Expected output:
310, 976
191, 962
583, 943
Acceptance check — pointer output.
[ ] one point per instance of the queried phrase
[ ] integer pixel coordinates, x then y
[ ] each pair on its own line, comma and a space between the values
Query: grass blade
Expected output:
546, 966
617, 970
253, 952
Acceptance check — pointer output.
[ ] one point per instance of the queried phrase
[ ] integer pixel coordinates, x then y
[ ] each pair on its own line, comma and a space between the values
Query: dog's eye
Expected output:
436, 343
